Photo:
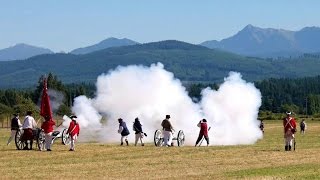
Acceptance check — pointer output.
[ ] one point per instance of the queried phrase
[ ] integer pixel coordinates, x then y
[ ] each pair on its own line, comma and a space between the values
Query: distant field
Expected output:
264, 160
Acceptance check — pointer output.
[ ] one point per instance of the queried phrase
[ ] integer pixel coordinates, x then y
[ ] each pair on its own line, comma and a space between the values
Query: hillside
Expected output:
188, 62
21, 51
107, 43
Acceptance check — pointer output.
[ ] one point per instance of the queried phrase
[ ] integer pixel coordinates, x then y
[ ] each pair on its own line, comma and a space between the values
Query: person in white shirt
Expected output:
28, 124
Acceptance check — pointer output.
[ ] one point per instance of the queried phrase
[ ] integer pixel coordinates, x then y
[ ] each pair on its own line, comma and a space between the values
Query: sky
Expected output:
63, 25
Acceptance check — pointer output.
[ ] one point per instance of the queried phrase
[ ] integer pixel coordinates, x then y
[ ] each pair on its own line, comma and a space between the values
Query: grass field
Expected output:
264, 160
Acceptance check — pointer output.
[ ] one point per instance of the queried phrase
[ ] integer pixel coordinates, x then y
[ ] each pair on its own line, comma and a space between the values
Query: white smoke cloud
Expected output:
233, 111
152, 92
56, 99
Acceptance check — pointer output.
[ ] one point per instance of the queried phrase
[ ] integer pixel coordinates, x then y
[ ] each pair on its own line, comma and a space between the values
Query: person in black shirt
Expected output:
137, 127
15, 125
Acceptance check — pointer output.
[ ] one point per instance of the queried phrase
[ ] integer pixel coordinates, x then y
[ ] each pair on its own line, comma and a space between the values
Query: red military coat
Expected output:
204, 129
47, 126
289, 123
74, 128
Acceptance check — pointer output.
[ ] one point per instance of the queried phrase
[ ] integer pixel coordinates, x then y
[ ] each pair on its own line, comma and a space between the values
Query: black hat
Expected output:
73, 116
29, 112
204, 120
136, 119
167, 116
120, 120
15, 114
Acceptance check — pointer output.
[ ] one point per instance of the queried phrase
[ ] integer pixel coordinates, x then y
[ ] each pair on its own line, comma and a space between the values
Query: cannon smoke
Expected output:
152, 92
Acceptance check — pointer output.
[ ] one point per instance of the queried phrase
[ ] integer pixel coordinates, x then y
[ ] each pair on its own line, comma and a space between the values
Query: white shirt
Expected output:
29, 122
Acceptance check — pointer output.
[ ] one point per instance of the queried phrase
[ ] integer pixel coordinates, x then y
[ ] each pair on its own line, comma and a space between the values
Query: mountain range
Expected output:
188, 62
250, 41
268, 42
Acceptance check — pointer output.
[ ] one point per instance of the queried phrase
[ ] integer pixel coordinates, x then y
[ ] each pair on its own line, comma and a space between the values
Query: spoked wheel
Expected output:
41, 140
65, 137
180, 138
18, 140
158, 139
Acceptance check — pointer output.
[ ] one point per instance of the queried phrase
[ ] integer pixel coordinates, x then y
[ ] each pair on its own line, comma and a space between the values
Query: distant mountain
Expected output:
21, 51
268, 42
107, 43
188, 62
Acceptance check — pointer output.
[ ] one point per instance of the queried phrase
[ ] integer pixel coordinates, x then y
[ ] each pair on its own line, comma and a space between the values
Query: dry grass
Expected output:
264, 160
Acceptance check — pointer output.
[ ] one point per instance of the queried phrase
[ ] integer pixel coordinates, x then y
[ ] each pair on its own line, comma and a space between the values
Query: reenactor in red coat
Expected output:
203, 131
47, 127
73, 131
289, 127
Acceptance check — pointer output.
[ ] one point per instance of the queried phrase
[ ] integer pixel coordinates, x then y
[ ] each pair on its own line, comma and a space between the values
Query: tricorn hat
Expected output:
288, 112
73, 117
167, 116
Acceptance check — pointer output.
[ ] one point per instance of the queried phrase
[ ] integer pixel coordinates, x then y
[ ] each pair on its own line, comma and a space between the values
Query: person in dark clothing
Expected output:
137, 127
15, 125
203, 131
261, 126
124, 131
167, 131
303, 126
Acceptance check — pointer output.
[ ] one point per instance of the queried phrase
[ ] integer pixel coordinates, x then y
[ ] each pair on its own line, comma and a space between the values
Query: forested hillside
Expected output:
188, 62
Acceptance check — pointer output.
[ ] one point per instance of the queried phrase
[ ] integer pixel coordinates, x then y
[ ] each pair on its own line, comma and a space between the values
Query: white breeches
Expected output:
139, 136
124, 137
48, 140
167, 137
73, 140
13, 134
288, 137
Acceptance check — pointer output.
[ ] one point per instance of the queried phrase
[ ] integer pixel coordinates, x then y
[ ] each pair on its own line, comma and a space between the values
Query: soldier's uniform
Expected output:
289, 127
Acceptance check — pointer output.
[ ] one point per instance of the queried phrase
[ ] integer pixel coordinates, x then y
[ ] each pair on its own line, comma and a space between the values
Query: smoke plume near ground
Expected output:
152, 92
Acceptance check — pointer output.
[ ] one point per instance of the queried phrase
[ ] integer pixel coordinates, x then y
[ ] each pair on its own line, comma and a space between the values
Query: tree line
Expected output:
300, 95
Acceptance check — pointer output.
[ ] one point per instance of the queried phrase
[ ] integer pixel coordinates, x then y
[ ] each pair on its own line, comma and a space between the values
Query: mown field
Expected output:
264, 160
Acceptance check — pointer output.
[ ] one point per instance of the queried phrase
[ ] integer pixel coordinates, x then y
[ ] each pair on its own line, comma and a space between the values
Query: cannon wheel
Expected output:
180, 138
65, 137
158, 139
41, 140
18, 140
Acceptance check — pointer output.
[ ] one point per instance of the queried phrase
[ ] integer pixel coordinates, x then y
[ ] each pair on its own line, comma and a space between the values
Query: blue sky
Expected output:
63, 25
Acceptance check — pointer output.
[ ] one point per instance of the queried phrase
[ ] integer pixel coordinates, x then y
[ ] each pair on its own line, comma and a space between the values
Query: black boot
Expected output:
31, 142
289, 148
286, 148
121, 144
127, 142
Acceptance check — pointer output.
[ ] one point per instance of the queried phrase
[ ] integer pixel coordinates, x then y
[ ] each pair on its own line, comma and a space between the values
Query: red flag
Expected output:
45, 109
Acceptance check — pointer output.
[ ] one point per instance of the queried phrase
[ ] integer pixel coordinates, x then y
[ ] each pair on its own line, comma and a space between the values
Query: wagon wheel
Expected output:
158, 139
18, 140
41, 140
65, 137
180, 138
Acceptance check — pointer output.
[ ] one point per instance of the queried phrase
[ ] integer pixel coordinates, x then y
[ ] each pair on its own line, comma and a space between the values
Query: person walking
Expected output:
203, 131
124, 131
47, 127
167, 131
137, 127
73, 131
15, 125
303, 126
289, 127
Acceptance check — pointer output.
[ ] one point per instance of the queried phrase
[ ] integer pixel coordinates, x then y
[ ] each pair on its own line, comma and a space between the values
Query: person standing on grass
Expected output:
303, 126
167, 131
289, 127
28, 124
124, 131
261, 126
47, 127
137, 127
15, 125
73, 131
203, 131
